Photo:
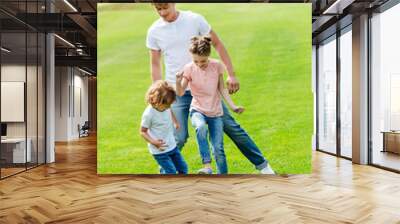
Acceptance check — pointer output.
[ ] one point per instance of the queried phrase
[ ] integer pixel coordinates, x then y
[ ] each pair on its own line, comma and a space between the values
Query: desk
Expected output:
17, 150
391, 141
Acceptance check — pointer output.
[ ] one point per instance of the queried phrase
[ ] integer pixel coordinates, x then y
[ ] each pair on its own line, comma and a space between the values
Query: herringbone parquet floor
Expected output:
69, 191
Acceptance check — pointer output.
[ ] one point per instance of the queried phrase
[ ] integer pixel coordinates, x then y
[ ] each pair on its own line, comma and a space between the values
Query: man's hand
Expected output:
160, 144
233, 84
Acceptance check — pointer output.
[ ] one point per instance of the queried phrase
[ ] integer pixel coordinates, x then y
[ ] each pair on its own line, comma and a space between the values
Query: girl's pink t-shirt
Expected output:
203, 85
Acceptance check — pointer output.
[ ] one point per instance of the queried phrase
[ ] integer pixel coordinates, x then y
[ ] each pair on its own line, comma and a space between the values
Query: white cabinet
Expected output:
18, 149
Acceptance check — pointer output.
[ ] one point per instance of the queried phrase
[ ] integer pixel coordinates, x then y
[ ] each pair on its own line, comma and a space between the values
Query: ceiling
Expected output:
331, 15
75, 23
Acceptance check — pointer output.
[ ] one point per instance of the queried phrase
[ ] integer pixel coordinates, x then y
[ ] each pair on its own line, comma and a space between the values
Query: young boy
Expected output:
157, 128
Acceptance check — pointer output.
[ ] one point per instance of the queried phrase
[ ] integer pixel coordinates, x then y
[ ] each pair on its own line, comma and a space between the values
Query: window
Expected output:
346, 92
327, 95
385, 89
22, 65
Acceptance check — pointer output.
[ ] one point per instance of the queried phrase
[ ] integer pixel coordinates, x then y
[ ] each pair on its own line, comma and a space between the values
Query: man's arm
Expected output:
155, 65
232, 82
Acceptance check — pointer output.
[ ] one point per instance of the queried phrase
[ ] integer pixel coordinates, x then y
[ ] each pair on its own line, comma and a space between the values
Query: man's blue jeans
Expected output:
235, 132
210, 125
171, 162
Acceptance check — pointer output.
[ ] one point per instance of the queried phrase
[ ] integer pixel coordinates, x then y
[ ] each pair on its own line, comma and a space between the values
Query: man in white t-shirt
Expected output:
169, 37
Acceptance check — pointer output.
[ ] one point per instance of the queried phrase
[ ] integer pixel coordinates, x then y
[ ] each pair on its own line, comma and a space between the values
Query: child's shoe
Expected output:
205, 171
267, 170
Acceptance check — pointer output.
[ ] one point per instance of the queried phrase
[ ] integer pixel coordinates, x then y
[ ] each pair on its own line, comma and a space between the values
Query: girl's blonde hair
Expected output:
201, 45
160, 93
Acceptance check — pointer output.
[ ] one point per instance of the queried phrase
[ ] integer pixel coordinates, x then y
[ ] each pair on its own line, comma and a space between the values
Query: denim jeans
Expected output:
235, 132
181, 110
200, 123
242, 140
171, 162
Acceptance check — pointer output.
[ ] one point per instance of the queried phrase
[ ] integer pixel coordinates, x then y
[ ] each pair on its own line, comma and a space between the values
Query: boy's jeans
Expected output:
200, 123
235, 132
171, 162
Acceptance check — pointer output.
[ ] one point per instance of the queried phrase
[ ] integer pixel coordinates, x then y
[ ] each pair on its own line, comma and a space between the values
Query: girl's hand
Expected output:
238, 110
179, 77
160, 144
177, 126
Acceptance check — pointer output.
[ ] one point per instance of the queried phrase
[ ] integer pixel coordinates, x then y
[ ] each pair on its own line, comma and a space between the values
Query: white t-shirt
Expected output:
173, 39
160, 126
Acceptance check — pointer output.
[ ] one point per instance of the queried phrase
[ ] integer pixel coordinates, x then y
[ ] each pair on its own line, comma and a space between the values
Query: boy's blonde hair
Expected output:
160, 93
201, 45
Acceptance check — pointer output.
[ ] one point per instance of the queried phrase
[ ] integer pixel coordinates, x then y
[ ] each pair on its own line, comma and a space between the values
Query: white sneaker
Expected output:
267, 170
205, 171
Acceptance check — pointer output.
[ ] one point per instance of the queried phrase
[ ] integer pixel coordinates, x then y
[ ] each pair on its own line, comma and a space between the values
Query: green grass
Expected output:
270, 46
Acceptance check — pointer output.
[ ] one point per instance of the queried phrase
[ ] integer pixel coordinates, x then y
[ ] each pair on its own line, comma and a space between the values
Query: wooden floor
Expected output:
69, 191
10, 171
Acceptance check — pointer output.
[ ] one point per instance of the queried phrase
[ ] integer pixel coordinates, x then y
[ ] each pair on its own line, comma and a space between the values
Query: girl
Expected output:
204, 76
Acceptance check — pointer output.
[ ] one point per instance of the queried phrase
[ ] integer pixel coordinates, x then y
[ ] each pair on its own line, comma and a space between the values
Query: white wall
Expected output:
12, 101
13, 73
81, 81
62, 81
71, 87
